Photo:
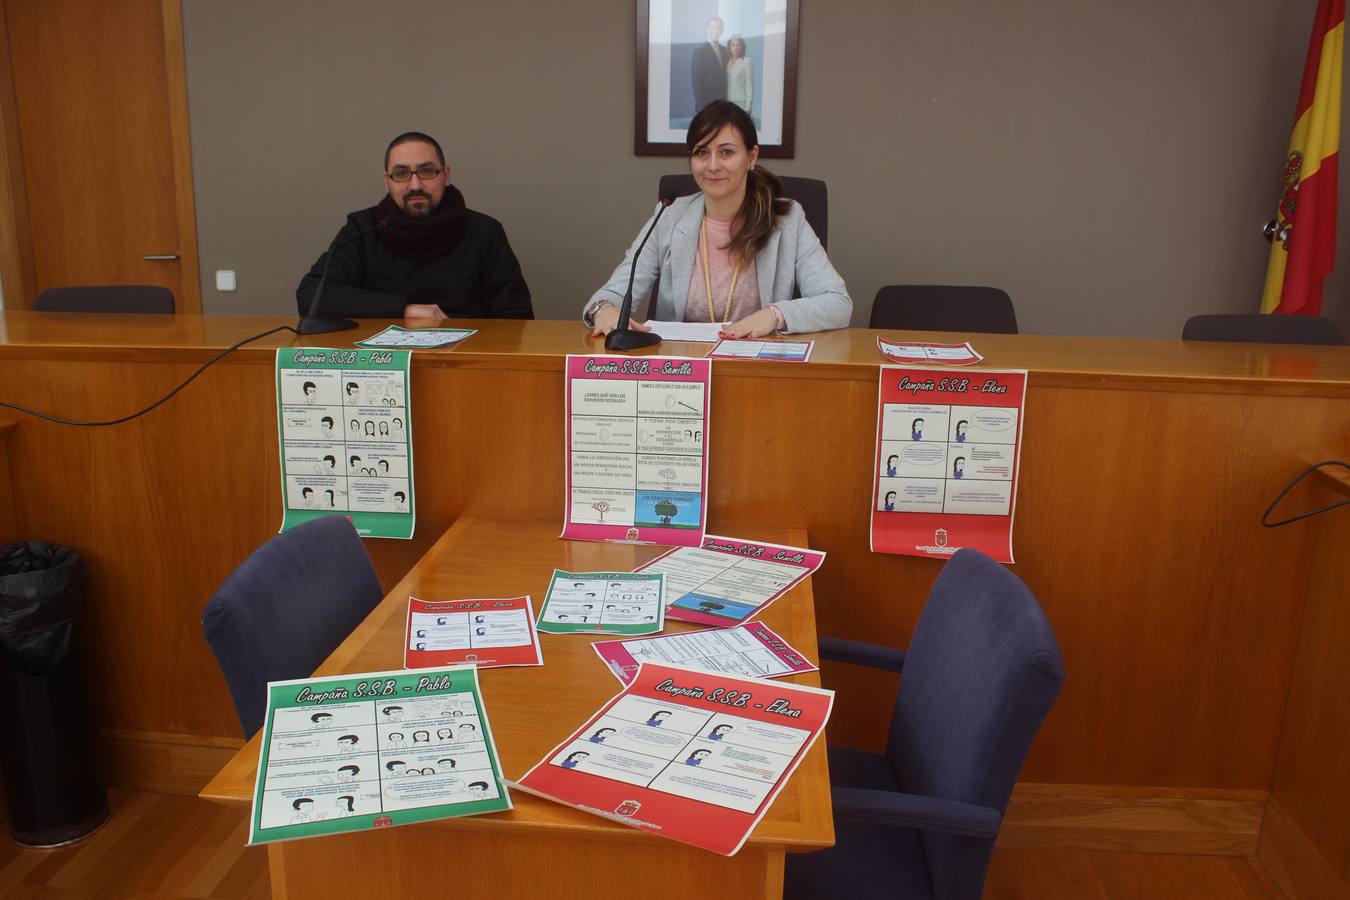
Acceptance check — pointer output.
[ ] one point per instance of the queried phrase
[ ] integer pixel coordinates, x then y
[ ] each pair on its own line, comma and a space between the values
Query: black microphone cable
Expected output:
161, 401
1265, 517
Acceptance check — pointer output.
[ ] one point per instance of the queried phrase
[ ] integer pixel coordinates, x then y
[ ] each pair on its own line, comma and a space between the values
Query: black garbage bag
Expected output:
53, 786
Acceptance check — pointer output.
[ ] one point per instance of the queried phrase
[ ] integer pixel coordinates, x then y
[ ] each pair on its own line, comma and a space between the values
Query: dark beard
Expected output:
426, 213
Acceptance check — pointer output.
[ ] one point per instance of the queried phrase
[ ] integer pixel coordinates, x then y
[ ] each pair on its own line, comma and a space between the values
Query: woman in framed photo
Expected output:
740, 79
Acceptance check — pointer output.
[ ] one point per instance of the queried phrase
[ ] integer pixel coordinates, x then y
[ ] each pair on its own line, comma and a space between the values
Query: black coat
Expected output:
478, 279
709, 76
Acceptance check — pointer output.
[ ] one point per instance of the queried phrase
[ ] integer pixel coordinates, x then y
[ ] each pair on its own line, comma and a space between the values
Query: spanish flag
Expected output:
1303, 232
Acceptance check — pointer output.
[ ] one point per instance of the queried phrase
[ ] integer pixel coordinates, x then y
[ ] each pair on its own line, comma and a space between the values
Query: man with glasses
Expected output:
419, 253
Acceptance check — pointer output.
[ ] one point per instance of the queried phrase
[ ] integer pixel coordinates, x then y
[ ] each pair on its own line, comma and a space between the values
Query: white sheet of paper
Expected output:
696, 332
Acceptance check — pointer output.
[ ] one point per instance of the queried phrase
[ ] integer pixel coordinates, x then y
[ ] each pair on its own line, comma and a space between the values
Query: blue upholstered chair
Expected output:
944, 307
920, 819
286, 608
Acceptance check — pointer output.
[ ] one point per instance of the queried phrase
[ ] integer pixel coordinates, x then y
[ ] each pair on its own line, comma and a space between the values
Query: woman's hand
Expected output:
607, 319
757, 324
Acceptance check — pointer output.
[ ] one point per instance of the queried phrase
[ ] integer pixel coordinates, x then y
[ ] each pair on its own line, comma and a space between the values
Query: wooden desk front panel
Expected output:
1137, 526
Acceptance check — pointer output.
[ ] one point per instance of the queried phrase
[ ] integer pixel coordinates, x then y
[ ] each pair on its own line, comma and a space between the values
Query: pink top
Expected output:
746, 299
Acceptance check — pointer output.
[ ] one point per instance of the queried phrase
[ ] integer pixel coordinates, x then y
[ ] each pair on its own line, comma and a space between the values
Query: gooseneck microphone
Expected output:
313, 323
623, 337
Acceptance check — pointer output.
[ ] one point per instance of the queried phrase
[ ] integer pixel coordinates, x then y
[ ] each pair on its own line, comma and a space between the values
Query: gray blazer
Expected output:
792, 263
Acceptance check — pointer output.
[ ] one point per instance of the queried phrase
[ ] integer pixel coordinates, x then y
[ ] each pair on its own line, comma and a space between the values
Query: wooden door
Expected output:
101, 109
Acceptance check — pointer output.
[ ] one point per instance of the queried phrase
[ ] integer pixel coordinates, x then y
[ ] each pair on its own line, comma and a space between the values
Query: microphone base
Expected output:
628, 339
324, 324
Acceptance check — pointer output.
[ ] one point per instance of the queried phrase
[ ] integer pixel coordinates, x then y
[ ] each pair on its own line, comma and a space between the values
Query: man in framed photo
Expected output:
709, 69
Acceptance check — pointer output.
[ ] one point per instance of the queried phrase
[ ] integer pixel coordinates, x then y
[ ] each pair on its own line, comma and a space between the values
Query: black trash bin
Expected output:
53, 787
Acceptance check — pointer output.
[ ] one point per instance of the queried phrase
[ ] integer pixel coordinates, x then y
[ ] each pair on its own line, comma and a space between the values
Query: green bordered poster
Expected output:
345, 430
356, 752
622, 603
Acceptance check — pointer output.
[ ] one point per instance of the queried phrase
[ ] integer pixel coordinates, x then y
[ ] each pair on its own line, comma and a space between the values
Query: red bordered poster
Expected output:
947, 460
487, 633
693, 756
637, 449
929, 354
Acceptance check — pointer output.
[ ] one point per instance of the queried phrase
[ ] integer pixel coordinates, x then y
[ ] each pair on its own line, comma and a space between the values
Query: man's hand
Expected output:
423, 311
757, 324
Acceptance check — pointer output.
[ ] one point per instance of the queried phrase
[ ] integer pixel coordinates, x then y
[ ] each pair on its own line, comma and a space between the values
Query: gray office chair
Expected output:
944, 307
111, 298
1255, 328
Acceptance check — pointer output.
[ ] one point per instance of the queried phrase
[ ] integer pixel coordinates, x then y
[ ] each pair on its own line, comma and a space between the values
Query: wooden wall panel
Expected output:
1138, 522
1312, 781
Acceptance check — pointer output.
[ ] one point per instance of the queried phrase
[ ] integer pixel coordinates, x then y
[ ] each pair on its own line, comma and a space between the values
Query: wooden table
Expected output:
1146, 465
539, 849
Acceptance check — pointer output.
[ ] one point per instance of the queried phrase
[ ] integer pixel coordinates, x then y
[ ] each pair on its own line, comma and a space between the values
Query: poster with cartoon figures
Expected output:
604, 603
689, 755
486, 633
724, 580
354, 752
637, 449
947, 458
750, 649
344, 425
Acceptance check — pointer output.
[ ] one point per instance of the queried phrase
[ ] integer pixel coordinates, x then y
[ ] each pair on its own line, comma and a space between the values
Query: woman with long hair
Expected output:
734, 252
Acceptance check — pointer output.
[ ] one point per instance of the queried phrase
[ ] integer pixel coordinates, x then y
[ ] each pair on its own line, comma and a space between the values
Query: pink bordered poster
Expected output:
637, 449
947, 460
725, 581
487, 633
694, 756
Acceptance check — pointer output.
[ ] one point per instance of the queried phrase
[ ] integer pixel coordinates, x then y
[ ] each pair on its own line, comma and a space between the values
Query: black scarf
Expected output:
428, 238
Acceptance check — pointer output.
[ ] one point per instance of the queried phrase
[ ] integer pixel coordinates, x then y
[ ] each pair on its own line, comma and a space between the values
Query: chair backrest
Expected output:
1255, 328
111, 298
286, 608
944, 307
980, 675
811, 193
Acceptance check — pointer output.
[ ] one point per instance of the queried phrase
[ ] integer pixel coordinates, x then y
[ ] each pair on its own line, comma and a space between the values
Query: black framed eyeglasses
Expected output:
403, 173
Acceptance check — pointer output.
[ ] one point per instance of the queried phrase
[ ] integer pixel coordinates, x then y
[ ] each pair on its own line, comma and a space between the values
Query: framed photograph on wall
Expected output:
691, 52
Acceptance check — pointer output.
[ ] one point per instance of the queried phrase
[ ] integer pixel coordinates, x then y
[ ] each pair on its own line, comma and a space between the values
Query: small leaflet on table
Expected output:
356, 752
693, 756
344, 424
778, 351
693, 332
604, 603
637, 449
948, 450
930, 354
416, 338
751, 649
727, 580
486, 633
